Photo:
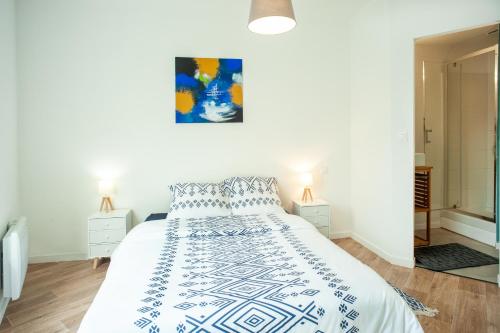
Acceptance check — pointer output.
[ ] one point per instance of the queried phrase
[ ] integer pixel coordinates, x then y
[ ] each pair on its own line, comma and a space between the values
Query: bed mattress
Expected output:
252, 273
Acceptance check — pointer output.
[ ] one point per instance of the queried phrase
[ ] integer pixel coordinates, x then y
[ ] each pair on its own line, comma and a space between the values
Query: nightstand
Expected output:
106, 231
316, 212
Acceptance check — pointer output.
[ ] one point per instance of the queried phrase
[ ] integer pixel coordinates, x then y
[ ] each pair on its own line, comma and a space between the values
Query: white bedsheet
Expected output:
258, 273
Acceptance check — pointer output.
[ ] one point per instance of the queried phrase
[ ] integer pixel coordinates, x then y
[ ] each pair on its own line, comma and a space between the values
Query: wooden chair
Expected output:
423, 201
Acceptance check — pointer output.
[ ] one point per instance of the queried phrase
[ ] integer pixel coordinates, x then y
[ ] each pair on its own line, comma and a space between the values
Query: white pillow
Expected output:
252, 195
195, 200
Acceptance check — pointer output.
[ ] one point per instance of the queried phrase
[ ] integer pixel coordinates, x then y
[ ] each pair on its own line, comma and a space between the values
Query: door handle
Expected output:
427, 131
426, 134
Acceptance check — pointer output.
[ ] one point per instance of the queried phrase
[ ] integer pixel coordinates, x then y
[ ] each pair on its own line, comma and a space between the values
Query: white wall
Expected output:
96, 96
8, 123
382, 118
8, 116
96, 84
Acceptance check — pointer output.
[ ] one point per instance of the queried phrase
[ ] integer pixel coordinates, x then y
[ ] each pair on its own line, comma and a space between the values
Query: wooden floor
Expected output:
56, 296
464, 305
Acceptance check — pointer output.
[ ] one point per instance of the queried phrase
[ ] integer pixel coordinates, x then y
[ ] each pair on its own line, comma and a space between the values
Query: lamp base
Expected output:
106, 205
307, 195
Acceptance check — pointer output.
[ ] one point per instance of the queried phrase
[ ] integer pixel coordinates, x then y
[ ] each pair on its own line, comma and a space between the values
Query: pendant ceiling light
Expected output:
271, 17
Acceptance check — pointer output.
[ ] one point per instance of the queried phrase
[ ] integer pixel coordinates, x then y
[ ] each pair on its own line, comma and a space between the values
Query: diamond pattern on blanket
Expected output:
239, 274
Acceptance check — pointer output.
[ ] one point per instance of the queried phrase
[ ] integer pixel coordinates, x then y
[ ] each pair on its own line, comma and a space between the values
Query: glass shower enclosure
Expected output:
471, 133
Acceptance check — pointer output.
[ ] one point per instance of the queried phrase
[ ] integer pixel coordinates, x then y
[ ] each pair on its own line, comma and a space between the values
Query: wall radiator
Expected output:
15, 258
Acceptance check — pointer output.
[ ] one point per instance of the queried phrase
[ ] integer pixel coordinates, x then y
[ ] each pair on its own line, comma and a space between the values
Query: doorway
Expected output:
456, 116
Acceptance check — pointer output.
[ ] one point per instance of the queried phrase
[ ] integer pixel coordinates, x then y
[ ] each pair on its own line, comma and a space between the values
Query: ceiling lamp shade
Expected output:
271, 17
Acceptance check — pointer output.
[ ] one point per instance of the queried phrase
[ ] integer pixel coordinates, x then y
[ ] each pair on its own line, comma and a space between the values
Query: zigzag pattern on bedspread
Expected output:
236, 276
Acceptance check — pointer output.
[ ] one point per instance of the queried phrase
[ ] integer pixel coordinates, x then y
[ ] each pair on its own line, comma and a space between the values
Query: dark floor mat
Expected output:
450, 256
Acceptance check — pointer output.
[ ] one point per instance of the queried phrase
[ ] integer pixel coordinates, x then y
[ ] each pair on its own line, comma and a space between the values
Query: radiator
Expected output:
15, 258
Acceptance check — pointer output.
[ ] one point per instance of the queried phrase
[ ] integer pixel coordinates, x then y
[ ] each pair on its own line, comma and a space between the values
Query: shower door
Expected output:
471, 120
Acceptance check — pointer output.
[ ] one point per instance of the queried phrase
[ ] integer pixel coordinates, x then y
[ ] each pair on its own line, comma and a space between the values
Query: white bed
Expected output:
254, 273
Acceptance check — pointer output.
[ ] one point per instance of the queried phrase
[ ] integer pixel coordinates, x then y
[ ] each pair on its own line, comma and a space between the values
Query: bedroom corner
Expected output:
248, 166
9, 189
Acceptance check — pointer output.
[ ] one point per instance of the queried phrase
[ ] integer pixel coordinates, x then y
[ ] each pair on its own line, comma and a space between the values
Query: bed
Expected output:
269, 272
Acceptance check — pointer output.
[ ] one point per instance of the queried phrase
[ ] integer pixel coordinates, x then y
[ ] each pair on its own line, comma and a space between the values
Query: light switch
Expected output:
403, 136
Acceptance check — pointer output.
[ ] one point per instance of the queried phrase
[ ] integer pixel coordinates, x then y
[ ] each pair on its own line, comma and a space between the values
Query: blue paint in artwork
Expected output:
218, 92
212, 96
231, 65
184, 81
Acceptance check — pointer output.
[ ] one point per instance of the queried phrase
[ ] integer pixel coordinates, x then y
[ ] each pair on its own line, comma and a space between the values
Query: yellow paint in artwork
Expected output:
208, 66
236, 94
184, 101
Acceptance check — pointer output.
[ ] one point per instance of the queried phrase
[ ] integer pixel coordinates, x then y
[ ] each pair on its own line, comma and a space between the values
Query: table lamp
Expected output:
307, 181
106, 189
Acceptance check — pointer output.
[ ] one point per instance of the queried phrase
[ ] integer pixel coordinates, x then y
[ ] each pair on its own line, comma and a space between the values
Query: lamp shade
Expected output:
106, 188
307, 179
271, 17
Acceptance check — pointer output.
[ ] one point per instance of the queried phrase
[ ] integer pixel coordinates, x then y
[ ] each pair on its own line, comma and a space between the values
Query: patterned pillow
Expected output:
194, 200
252, 195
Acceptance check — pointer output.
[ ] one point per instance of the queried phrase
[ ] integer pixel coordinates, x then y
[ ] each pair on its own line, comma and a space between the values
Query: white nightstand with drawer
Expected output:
106, 231
316, 212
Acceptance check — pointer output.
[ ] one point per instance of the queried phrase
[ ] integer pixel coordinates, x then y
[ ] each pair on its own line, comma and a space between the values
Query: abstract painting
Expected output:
208, 90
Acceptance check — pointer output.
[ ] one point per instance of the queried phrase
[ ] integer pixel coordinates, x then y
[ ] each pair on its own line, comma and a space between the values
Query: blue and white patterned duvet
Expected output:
255, 273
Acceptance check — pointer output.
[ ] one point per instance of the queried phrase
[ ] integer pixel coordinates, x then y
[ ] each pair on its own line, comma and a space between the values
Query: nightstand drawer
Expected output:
106, 236
106, 224
316, 210
322, 221
318, 221
317, 213
311, 219
102, 250
325, 231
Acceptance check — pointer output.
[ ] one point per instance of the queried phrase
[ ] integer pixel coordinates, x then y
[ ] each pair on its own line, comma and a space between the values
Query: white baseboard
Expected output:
57, 257
340, 234
3, 306
400, 261
478, 234
395, 260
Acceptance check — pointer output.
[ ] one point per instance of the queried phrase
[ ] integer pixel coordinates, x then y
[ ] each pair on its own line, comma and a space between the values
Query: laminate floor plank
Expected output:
465, 305
55, 297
